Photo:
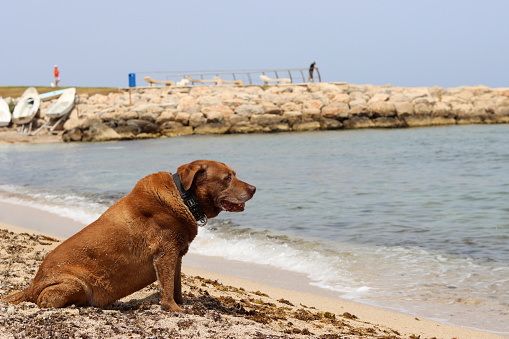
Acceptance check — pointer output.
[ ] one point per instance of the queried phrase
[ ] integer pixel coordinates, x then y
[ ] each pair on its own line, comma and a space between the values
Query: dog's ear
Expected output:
189, 172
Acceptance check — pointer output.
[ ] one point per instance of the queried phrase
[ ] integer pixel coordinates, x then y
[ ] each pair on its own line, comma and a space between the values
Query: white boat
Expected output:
5, 113
27, 107
63, 105
50, 95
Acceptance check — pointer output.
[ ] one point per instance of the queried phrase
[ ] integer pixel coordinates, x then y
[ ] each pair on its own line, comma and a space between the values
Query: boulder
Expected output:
215, 128
358, 122
306, 126
330, 124
387, 122
439, 121
442, 109
382, 109
182, 117
217, 113
311, 114
74, 134
469, 119
495, 119
416, 120
197, 119
423, 109
168, 115
335, 111
128, 130
276, 128
292, 117
341, 98
177, 131
244, 127
378, 97
145, 126
291, 107
267, 119
100, 132
249, 110
404, 108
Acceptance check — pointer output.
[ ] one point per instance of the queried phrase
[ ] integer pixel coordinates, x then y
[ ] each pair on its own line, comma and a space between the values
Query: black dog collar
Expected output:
191, 202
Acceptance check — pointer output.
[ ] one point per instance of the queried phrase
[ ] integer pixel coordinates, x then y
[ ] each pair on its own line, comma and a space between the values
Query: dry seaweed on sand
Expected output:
211, 309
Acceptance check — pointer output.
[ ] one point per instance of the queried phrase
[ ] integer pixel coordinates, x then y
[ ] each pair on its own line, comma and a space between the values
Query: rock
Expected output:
495, 119
460, 109
197, 119
306, 126
416, 120
89, 121
441, 109
267, 119
330, 124
382, 109
341, 98
422, 109
245, 127
503, 111
127, 130
387, 122
469, 119
100, 132
165, 116
216, 128
335, 111
177, 131
358, 122
439, 121
292, 117
313, 105
74, 134
145, 126
276, 128
249, 110
311, 114
291, 107
404, 108
378, 97
182, 117
218, 113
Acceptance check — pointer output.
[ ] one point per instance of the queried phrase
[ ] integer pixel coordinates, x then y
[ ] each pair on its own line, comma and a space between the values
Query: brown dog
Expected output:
140, 238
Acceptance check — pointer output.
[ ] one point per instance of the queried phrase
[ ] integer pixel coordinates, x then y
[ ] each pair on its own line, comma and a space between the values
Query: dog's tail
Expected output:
16, 297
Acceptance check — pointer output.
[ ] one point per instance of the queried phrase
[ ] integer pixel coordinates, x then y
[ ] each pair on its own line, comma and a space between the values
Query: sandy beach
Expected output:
216, 305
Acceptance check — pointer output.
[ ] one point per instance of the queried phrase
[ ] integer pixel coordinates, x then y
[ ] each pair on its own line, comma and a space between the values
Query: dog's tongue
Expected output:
232, 207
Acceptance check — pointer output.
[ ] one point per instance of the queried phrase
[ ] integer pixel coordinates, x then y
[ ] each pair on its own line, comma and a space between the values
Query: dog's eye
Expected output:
228, 178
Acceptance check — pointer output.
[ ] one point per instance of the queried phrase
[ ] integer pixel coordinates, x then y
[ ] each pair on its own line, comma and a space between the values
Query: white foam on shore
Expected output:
74, 207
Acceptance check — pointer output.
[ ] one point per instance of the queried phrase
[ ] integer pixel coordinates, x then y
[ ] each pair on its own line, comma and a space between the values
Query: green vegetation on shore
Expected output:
17, 91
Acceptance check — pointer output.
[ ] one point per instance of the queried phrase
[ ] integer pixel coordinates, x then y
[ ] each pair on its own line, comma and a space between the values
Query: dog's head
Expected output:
216, 186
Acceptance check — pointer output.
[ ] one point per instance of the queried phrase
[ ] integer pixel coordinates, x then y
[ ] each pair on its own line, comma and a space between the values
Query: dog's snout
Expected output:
252, 189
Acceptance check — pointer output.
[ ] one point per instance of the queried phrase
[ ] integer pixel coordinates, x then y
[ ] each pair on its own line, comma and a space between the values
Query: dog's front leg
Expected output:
177, 294
166, 266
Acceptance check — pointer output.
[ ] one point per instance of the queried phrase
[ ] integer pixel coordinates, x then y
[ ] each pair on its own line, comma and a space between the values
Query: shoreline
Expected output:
14, 220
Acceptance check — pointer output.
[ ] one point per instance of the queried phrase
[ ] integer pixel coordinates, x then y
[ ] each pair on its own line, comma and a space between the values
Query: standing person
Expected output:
311, 70
57, 74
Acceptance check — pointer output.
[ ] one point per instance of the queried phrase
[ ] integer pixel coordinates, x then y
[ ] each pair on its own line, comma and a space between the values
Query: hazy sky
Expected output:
447, 43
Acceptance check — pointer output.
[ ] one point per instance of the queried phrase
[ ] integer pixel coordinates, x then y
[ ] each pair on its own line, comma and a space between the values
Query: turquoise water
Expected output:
413, 219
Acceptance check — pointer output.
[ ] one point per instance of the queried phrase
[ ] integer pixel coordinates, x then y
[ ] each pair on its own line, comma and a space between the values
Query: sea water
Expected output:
415, 220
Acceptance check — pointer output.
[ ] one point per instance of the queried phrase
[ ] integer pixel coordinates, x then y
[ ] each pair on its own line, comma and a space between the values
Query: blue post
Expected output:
132, 80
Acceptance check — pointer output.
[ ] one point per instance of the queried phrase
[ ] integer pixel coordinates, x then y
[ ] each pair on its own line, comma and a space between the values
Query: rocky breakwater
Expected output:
174, 111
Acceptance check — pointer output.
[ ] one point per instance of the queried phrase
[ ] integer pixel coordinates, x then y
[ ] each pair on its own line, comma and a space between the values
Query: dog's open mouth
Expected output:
232, 207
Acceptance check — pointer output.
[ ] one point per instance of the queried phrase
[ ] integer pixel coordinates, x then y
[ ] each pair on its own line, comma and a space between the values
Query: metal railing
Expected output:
246, 77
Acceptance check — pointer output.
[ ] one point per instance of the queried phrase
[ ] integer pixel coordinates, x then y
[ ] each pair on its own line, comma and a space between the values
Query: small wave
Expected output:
75, 207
